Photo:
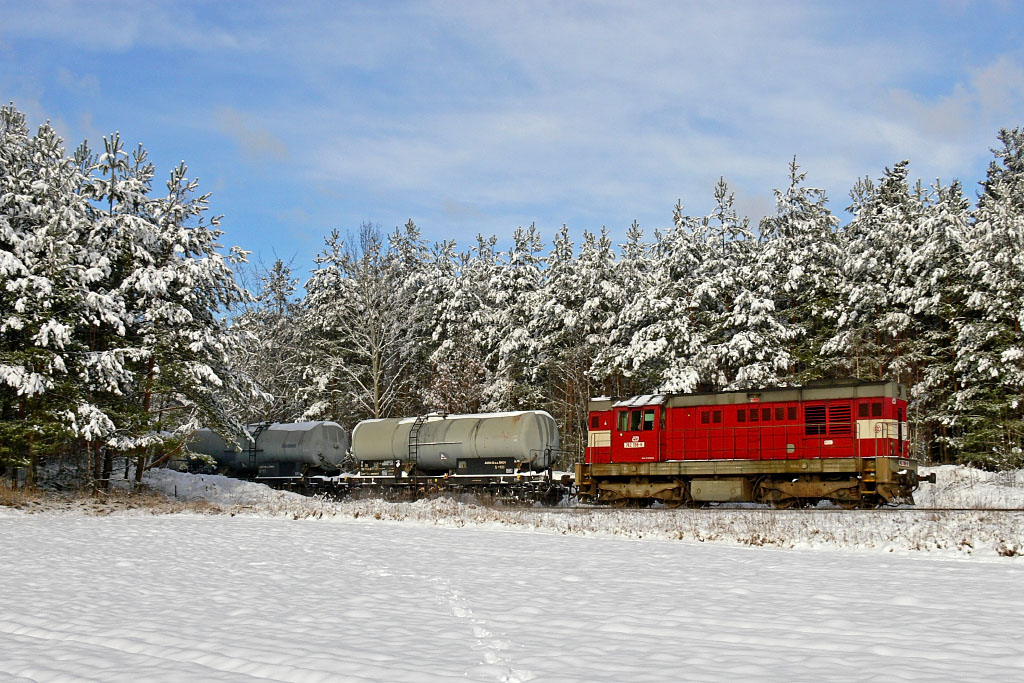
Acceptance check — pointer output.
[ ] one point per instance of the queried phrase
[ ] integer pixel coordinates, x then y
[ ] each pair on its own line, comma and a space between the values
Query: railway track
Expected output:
723, 509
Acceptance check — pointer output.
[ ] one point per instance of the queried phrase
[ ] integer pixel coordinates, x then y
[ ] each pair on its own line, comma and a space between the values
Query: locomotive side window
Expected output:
814, 419
716, 417
791, 413
649, 419
753, 414
876, 409
766, 414
634, 422
780, 413
862, 410
594, 422
741, 415
623, 420
705, 417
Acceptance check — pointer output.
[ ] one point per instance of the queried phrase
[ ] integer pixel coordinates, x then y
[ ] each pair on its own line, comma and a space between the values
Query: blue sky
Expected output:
477, 117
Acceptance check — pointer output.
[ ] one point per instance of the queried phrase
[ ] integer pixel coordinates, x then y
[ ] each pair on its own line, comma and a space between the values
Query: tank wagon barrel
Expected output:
461, 444
281, 449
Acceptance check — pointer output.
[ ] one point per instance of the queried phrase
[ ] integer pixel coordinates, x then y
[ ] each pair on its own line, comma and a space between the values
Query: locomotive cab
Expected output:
626, 431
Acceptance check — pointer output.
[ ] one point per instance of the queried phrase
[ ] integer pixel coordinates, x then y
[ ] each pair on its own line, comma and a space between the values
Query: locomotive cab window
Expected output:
623, 420
634, 420
649, 419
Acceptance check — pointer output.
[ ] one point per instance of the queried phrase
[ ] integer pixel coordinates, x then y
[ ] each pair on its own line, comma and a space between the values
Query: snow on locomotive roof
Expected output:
813, 391
645, 400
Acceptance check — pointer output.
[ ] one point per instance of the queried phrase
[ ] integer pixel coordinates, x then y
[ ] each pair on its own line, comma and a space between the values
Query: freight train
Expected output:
504, 456
844, 442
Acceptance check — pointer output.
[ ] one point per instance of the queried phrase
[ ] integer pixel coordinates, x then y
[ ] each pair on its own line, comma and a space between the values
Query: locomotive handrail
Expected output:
719, 441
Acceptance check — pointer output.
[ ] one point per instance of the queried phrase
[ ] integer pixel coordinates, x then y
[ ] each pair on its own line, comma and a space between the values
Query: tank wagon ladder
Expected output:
253, 450
414, 438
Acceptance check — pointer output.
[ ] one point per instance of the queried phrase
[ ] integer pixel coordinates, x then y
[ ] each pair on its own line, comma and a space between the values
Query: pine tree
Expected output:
872, 325
797, 266
513, 350
45, 272
990, 343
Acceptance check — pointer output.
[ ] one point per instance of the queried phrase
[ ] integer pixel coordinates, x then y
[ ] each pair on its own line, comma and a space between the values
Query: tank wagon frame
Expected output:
846, 442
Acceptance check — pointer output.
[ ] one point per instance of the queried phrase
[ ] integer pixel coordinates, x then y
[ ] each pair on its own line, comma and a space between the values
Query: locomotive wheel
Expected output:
848, 504
785, 503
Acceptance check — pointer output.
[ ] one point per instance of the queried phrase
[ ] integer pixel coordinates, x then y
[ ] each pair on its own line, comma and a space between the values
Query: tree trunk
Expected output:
140, 467
108, 467
97, 470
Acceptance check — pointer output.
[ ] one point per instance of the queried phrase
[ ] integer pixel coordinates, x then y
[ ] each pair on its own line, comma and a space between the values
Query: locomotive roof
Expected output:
813, 392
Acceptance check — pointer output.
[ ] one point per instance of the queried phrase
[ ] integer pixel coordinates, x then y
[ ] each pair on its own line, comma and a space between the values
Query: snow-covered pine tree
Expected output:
583, 297
797, 266
178, 287
513, 352
990, 341
665, 327
464, 314
272, 347
933, 298
871, 323
46, 267
626, 294
413, 279
357, 319
728, 311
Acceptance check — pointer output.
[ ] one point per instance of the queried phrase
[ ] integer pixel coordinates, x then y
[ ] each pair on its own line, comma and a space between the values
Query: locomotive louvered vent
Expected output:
814, 419
839, 419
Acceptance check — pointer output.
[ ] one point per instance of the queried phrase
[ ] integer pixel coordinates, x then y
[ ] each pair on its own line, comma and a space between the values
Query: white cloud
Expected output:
258, 143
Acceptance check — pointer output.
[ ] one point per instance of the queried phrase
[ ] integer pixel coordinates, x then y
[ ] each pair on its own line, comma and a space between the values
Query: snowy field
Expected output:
293, 589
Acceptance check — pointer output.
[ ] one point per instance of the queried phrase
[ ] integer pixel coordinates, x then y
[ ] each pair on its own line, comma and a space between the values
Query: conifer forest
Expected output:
125, 324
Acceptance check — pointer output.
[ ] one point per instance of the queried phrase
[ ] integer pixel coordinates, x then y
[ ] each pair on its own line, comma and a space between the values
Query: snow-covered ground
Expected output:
290, 588
205, 598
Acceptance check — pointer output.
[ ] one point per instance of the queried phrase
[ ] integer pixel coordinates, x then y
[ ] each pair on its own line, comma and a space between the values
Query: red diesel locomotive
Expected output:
846, 442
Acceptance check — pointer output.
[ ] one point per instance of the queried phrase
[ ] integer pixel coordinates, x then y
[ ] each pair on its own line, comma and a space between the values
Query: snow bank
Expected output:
981, 533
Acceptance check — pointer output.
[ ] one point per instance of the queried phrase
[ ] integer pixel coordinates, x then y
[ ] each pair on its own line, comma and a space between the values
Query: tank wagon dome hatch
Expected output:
438, 443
